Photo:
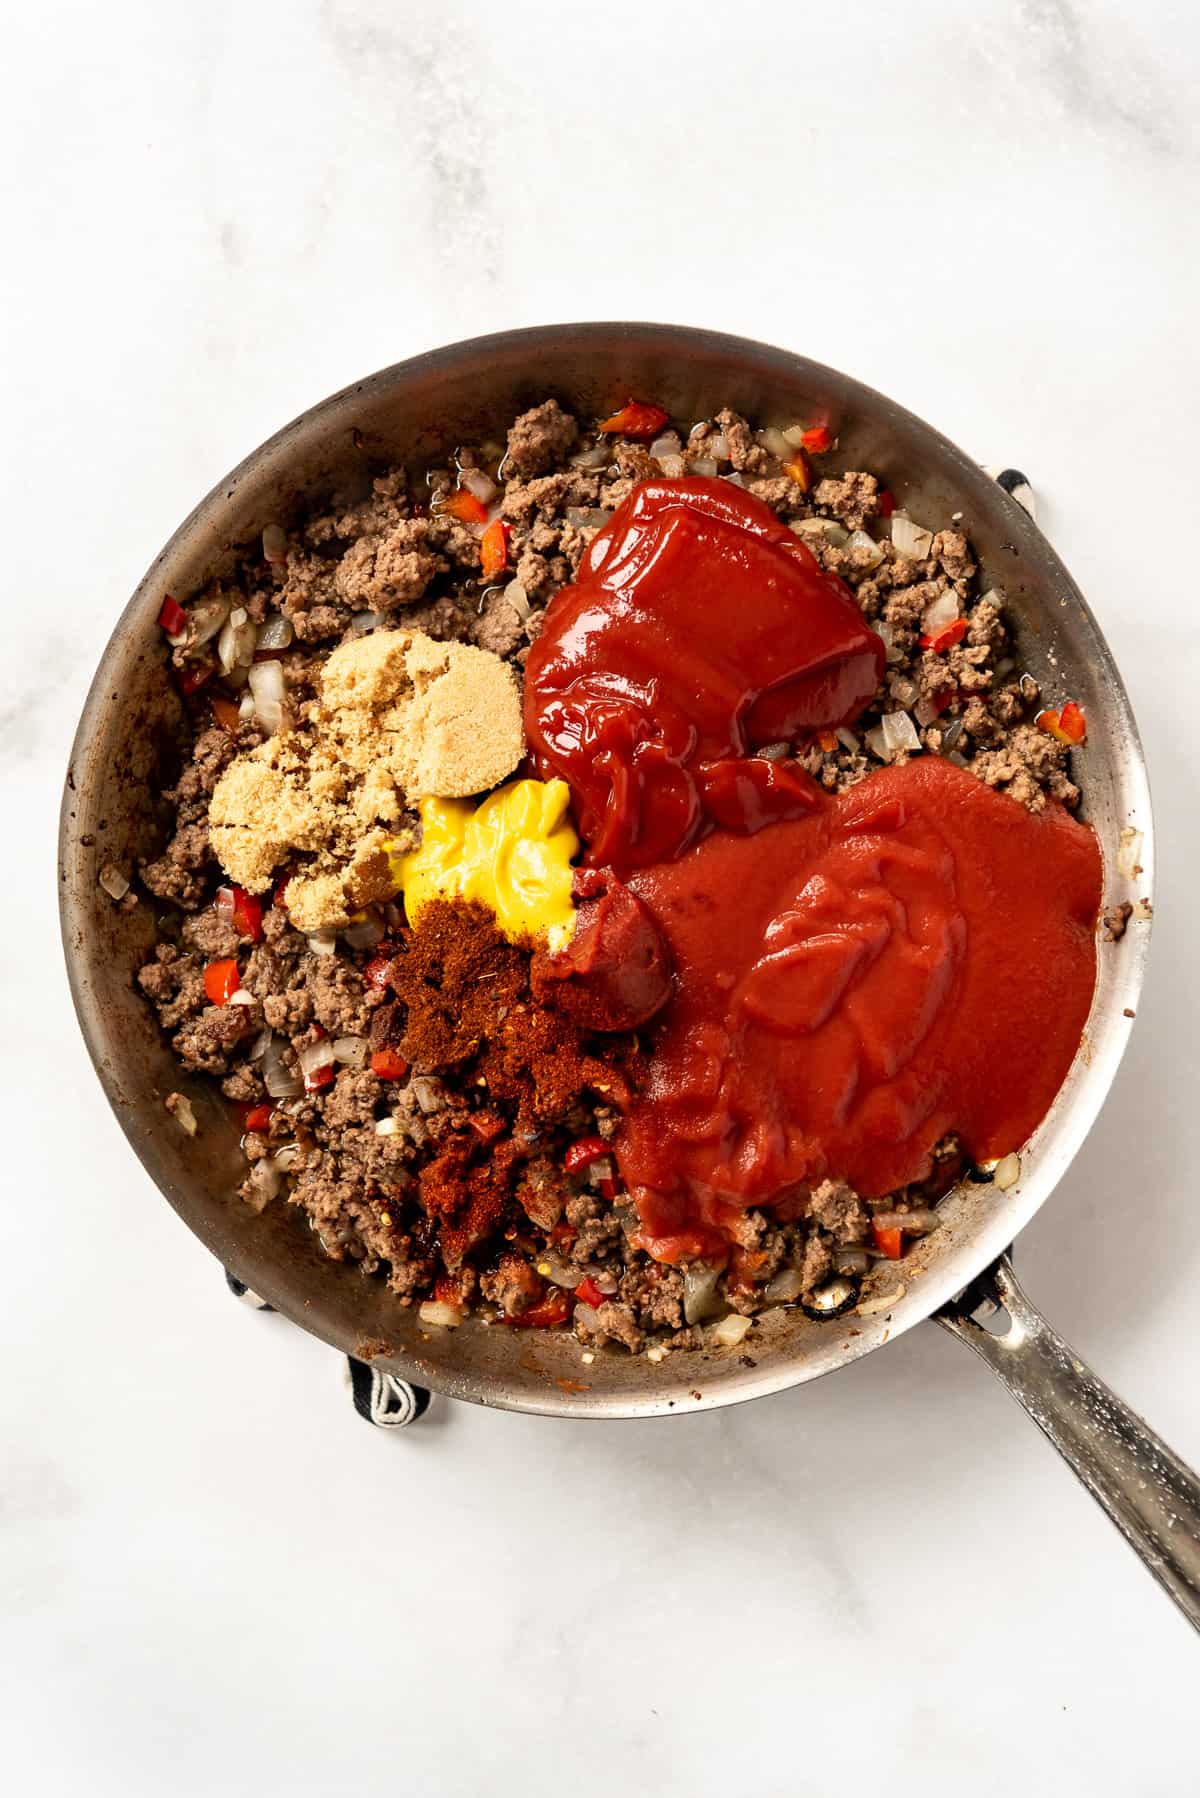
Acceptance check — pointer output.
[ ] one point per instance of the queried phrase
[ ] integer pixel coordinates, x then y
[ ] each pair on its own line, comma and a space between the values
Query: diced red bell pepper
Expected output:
581, 1154
463, 505
1068, 726
493, 549
817, 439
388, 1065
192, 676
563, 1232
888, 1242
258, 1118
172, 616
607, 1189
635, 419
322, 1076
799, 470
378, 972
827, 740
553, 1310
221, 981
226, 713
887, 502
243, 910
590, 1293
945, 639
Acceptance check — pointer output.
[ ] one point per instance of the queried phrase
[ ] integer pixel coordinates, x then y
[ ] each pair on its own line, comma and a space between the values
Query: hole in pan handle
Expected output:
1149, 1493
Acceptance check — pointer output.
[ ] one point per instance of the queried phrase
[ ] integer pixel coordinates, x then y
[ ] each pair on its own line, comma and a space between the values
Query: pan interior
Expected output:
128, 739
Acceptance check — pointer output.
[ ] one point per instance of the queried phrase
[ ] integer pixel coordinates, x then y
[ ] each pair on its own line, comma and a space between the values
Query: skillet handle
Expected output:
1149, 1493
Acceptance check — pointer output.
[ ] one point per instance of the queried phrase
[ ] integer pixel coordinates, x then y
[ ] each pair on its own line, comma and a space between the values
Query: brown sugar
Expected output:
401, 717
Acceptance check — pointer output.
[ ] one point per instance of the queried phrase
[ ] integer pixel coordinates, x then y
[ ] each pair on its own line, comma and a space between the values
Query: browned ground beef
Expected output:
385, 555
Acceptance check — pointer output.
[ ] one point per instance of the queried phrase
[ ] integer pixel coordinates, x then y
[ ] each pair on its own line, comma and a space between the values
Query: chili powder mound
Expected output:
473, 1018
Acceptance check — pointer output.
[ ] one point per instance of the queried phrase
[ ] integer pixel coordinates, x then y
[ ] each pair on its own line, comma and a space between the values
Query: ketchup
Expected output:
700, 628
914, 958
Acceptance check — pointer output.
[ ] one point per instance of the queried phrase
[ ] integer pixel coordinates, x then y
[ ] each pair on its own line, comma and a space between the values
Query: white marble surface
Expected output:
214, 1577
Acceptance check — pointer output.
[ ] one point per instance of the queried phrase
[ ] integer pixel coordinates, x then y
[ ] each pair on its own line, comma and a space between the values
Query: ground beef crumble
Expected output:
449, 1180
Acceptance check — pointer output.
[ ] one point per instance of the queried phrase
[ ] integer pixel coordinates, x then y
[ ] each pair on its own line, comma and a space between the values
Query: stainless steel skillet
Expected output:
128, 739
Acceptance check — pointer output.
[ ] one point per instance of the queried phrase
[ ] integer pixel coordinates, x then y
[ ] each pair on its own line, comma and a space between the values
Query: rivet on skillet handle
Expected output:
1150, 1494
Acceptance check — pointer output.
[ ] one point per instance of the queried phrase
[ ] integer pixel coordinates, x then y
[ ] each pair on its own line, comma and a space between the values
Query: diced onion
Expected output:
314, 1056
587, 518
277, 632
704, 465
910, 539
774, 752
258, 1047
388, 1126
480, 484
267, 686
113, 881
735, 480
925, 711
700, 1291
436, 1311
794, 435
718, 443
205, 620
951, 734
942, 611
365, 933
847, 739
1007, 1172
656, 1352
1129, 854
672, 466
899, 732
351, 1051
264, 1178
787, 1285
236, 644
426, 1092
278, 1078
517, 598
247, 707
588, 1316
366, 621
274, 543
914, 1223
241, 997
861, 543
559, 1272
775, 443
596, 457
286, 1158
322, 942
181, 1111
669, 444
874, 741
903, 690
731, 1329
884, 631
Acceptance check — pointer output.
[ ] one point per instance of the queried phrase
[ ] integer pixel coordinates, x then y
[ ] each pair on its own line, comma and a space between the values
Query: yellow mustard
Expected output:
511, 853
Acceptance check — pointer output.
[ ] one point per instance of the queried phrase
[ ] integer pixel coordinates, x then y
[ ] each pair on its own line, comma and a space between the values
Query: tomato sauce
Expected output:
916, 958
853, 977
